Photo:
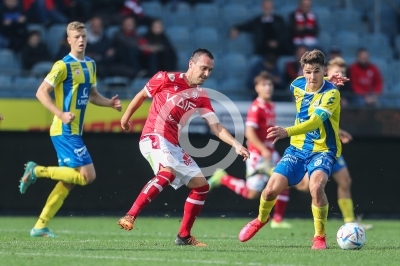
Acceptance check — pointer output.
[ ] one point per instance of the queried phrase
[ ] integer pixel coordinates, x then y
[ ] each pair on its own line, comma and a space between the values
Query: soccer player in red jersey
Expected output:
176, 96
263, 156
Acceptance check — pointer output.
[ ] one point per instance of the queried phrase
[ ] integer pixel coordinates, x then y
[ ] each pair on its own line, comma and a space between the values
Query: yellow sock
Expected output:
65, 174
346, 207
265, 209
53, 204
320, 215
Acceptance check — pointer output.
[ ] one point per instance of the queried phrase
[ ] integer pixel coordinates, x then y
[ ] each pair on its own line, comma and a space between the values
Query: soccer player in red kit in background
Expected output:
263, 156
176, 96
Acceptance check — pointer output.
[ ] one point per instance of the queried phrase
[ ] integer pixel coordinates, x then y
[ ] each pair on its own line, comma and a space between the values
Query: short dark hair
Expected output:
313, 57
263, 75
199, 52
361, 49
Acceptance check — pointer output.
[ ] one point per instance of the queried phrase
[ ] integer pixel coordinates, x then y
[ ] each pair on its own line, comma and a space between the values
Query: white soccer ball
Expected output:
351, 236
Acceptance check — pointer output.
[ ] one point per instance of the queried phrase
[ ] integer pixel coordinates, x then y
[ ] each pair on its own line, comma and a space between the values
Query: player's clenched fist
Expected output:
67, 117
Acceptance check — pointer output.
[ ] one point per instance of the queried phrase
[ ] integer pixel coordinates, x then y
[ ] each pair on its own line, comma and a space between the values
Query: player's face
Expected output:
335, 69
77, 40
264, 89
201, 69
314, 75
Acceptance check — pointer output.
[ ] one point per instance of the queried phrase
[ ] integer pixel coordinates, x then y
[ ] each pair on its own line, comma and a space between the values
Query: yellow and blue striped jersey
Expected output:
72, 80
326, 104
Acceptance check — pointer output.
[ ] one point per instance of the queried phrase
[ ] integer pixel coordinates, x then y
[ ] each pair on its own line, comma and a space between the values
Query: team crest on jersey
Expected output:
77, 71
159, 76
171, 77
195, 95
297, 98
315, 103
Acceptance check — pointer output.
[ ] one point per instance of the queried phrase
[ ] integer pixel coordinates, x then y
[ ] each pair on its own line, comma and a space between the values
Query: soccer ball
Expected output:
351, 236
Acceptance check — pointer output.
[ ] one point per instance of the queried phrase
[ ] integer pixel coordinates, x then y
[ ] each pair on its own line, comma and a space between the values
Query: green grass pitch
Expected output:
99, 241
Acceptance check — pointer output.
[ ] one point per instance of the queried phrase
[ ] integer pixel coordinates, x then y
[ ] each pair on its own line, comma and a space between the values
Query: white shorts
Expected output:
258, 170
159, 152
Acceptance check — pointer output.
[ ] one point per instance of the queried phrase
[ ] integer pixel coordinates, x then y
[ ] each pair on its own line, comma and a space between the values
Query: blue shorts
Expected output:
339, 165
71, 151
295, 163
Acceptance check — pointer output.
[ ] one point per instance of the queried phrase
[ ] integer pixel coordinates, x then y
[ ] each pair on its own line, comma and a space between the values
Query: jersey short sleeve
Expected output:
155, 84
252, 117
57, 74
206, 107
94, 78
329, 102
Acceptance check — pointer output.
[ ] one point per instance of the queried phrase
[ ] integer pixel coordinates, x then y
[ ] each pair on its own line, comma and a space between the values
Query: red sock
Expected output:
193, 205
237, 185
150, 191
280, 206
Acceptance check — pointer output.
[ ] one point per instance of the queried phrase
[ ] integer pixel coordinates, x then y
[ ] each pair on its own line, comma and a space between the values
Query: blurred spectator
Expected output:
134, 9
268, 64
75, 10
365, 80
107, 9
304, 25
129, 54
159, 52
43, 11
340, 66
268, 30
13, 25
192, 2
99, 47
293, 68
63, 48
334, 52
35, 51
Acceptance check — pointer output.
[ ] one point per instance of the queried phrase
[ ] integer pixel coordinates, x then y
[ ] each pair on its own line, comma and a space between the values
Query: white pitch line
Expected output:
213, 262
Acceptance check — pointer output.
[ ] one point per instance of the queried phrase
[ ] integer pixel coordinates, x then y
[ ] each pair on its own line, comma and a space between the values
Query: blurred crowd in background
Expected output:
131, 40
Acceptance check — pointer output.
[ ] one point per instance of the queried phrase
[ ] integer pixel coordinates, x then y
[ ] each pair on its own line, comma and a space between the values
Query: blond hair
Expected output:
312, 57
337, 61
75, 25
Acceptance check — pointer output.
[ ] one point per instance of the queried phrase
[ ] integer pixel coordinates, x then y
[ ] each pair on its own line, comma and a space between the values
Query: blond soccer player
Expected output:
73, 80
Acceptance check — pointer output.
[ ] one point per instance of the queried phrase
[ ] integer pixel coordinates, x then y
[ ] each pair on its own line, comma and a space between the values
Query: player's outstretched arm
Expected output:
224, 135
97, 99
43, 94
132, 107
277, 133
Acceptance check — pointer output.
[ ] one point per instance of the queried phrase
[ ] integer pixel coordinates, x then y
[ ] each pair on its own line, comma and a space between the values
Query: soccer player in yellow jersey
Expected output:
340, 172
73, 80
314, 146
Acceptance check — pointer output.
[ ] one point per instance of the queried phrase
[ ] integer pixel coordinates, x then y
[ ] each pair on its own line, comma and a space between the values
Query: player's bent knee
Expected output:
344, 182
89, 178
270, 194
317, 188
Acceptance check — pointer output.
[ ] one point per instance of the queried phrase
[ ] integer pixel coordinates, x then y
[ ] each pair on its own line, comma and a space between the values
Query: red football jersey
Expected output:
173, 104
261, 116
